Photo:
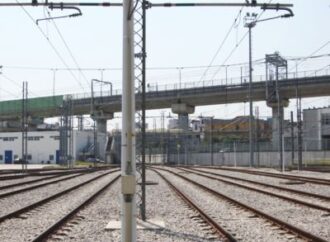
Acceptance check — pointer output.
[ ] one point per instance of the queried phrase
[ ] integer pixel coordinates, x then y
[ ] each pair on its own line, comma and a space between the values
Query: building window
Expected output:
8, 138
1, 157
325, 119
35, 137
29, 157
51, 157
15, 157
55, 137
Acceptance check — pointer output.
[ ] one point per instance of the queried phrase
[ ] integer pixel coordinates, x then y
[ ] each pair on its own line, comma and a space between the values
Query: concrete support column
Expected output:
183, 110
277, 121
101, 119
101, 125
183, 121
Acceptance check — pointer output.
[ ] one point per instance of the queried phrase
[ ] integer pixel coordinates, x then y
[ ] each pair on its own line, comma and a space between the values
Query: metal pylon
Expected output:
140, 80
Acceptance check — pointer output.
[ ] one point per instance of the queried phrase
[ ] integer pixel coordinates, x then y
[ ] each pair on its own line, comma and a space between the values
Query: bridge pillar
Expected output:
100, 141
183, 110
101, 119
277, 121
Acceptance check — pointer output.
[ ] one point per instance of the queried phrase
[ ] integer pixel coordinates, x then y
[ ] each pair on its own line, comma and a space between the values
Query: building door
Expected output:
8, 156
57, 156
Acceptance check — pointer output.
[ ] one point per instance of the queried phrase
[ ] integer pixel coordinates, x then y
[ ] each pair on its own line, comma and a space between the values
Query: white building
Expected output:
43, 146
316, 128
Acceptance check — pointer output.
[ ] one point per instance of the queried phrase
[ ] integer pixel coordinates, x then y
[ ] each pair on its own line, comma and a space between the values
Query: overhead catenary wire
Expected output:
17, 83
237, 45
68, 48
222, 43
10, 93
51, 44
310, 55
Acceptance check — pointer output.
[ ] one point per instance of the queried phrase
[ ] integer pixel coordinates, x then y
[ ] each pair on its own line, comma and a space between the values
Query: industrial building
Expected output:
44, 146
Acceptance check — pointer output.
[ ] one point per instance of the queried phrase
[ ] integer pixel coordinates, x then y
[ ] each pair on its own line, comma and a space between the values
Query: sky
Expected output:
180, 42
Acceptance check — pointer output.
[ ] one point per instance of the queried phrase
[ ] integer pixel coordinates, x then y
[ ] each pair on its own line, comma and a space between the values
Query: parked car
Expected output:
19, 161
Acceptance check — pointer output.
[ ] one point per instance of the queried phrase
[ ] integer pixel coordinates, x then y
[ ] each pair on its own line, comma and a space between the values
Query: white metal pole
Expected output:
128, 164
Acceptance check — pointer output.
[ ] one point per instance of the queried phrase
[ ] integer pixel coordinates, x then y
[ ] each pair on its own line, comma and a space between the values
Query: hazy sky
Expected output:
177, 38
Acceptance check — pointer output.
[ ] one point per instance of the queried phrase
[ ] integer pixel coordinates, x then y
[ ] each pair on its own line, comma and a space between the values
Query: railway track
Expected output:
288, 228
25, 189
20, 175
284, 197
62, 221
217, 228
43, 201
313, 180
29, 182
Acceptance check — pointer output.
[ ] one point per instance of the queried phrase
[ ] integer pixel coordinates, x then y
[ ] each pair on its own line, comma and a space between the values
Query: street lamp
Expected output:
250, 22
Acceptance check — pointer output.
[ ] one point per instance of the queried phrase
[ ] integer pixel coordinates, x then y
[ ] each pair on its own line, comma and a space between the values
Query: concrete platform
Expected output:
152, 224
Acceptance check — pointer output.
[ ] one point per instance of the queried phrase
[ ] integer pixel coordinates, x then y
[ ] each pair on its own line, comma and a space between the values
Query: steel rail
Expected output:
64, 172
55, 226
34, 181
307, 194
282, 224
217, 228
289, 199
32, 170
7, 194
314, 180
52, 197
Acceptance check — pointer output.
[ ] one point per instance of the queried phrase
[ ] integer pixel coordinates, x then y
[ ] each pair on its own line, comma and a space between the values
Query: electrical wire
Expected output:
309, 56
222, 43
237, 44
14, 82
230, 54
68, 48
10, 93
51, 44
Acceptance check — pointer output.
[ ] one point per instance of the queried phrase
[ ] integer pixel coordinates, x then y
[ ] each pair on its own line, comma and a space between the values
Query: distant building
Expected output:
236, 128
316, 128
43, 146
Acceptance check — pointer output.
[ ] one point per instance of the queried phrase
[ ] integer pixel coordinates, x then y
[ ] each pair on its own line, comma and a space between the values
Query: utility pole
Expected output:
24, 126
128, 163
300, 141
257, 135
250, 25
211, 137
292, 139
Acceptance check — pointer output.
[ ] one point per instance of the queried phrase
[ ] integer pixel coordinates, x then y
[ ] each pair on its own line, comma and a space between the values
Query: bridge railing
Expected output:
232, 81
226, 82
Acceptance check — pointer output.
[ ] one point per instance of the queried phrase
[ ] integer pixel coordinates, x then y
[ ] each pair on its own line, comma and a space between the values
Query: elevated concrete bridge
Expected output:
181, 101
196, 96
